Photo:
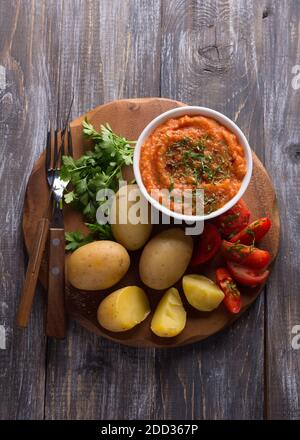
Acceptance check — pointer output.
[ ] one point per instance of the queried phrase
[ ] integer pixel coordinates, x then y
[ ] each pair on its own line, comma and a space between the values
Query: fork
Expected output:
56, 316
35, 258
42, 230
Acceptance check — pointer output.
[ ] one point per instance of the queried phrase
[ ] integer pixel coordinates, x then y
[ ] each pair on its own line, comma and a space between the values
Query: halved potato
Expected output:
123, 309
201, 292
169, 318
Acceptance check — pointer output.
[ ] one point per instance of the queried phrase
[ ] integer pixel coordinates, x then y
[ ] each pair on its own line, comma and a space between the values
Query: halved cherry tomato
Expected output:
232, 299
247, 255
254, 232
208, 246
234, 220
247, 276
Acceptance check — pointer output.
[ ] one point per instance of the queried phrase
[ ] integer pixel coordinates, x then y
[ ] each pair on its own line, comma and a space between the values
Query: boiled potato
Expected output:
169, 318
123, 309
165, 258
98, 265
201, 292
129, 203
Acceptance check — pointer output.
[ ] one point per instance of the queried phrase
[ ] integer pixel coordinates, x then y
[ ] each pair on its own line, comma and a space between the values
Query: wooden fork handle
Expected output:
56, 315
32, 273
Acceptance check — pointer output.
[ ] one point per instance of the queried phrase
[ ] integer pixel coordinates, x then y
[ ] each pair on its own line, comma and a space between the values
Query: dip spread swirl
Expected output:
194, 152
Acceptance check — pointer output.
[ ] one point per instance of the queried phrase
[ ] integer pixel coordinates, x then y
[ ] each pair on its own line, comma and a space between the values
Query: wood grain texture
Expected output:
234, 56
282, 150
56, 309
32, 272
87, 377
22, 364
213, 50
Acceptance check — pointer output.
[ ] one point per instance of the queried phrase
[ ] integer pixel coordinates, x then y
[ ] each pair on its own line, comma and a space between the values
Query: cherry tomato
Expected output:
232, 299
247, 255
234, 220
254, 232
247, 276
208, 246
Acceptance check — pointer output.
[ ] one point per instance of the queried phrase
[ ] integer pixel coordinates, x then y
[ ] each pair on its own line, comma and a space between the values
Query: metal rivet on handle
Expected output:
55, 270
56, 241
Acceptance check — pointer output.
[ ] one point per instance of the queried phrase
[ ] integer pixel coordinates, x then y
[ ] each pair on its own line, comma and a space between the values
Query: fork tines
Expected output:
55, 153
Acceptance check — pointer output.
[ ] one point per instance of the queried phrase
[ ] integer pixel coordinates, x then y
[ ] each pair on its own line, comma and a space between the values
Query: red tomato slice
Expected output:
232, 299
247, 255
208, 246
247, 276
254, 232
234, 220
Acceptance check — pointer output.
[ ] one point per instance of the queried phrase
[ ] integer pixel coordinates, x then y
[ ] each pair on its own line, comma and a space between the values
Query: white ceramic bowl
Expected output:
176, 113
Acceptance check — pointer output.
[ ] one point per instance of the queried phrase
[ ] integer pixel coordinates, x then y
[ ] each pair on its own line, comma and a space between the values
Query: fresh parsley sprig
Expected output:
98, 169
76, 239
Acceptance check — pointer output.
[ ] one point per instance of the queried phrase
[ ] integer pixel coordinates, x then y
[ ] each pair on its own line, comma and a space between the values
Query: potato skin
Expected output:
98, 265
169, 318
123, 309
131, 236
201, 292
165, 258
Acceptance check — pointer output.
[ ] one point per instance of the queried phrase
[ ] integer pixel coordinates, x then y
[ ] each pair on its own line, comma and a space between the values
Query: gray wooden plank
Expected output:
282, 133
117, 56
22, 131
211, 56
236, 57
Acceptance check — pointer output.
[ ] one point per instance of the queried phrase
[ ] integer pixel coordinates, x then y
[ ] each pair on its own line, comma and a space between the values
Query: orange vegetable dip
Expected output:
194, 152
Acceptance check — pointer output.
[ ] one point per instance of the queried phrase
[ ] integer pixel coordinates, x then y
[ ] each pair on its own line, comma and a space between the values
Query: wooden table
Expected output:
234, 56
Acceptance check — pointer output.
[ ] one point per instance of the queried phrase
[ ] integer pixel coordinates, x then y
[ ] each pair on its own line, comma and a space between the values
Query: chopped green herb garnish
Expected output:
250, 232
230, 218
195, 161
210, 203
232, 286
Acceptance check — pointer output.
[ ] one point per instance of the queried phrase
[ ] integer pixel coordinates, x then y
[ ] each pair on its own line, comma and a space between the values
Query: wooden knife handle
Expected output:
32, 272
56, 315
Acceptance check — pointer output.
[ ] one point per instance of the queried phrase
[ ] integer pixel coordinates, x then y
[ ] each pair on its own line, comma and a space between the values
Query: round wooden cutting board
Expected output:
128, 118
